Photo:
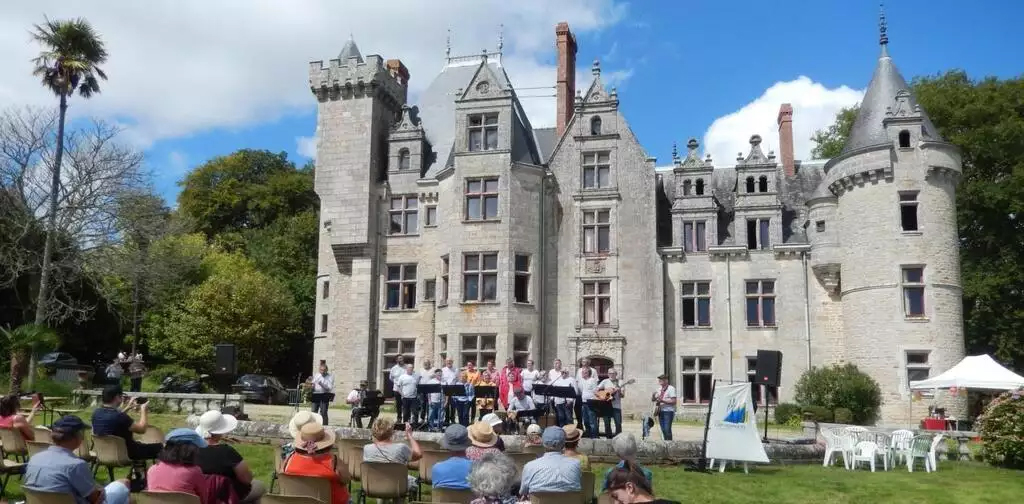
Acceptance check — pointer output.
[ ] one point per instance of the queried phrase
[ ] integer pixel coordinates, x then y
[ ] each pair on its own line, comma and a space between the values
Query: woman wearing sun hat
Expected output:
176, 469
313, 457
221, 458
572, 440
483, 438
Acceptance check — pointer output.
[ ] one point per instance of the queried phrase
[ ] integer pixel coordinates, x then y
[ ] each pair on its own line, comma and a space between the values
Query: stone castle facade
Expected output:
454, 228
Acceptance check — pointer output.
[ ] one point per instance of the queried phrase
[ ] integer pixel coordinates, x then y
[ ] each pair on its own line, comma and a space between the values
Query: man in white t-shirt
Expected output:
407, 387
582, 365
395, 373
449, 373
520, 402
563, 406
529, 376
611, 384
665, 400
587, 385
424, 374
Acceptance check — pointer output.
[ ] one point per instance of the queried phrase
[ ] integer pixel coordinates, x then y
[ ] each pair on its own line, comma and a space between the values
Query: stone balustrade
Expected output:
171, 402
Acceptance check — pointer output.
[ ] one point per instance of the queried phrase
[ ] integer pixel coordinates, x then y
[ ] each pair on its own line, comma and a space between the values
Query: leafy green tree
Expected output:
840, 387
69, 62
21, 343
828, 142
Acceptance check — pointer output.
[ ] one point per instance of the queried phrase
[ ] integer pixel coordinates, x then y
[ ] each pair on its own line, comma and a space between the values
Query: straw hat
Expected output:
482, 435
572, 434
302, 418
313, 437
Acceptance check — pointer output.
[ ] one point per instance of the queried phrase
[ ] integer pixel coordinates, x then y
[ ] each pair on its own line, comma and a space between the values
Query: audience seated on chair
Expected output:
11, 419
572, 441
452, 473
493, 480
624, 446
112, 420
383, 450
498, 426
58, 470
552, 472
176, 469
484, 440
627, 484
312, 457
222, 459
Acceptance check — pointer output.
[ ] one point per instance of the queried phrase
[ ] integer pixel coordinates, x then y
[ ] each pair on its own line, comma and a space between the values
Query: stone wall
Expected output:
173, 403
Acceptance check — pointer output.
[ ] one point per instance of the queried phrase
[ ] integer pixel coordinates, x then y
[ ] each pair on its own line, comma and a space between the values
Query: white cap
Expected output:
533, 429
492, 419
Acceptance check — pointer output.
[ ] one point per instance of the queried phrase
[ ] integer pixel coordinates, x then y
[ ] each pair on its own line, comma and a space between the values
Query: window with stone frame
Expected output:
430, 217
913, 292
443, 295
761, 393
760, 303
403, 215
327, 289
918, 365
750, 184
595, 125
323, 323
696, 304
482, 132
695, 236
400, 287
597, 303
479, 348
391, 348
697, 380
908, 211
762, 184
522, 278
597, 231
482, 198
429, 289
480, 277
698, 187
759, 234
403, 160
442, 346
521, 349
597, 170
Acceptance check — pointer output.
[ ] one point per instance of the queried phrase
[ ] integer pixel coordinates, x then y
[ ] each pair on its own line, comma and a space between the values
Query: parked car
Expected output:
57, 359
261, 388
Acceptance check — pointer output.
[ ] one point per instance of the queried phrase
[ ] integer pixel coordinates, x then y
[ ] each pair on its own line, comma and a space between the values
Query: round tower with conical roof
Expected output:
897, 255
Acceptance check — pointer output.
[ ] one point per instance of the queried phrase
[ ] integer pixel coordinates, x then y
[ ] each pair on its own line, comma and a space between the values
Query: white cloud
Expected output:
814, 107
177, 162
306, 146
179, 68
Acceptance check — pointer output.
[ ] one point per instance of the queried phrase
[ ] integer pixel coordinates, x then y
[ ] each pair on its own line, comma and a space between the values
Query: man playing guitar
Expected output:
664, 399
611, 390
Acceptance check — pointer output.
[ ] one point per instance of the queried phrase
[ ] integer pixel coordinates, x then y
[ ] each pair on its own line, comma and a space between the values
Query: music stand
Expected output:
450, 391
371, 404
566, 392
425, 389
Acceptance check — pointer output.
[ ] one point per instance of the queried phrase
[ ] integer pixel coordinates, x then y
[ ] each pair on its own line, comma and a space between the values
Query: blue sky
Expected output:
191, 80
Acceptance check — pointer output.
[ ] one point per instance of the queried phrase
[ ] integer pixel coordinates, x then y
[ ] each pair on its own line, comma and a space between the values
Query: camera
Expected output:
141, 400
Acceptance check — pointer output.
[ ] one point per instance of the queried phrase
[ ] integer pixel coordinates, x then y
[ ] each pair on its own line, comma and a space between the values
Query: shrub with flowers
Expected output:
1001, 427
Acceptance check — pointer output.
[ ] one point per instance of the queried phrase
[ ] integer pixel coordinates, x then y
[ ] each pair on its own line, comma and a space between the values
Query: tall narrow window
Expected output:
759, 234
694, 236
698, 187
913, 292
443, 295
696, 304
429, 288
762, 184
430, 219
522, 287
400, 287
750, 184
327, 289
521, 349
904, 139
482, 199
403, 160
760, 303
323, 323
483, 132
763, 394
596, 170
480, 277
597, 303
908, 211
596, 231
697, 379
686, 187
595, 125
404, 215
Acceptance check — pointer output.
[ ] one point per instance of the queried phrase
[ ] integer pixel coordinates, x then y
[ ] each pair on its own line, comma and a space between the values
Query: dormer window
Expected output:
904, 139
699, 187
403, 159
595, 125
750, 184
762, 184
483, 132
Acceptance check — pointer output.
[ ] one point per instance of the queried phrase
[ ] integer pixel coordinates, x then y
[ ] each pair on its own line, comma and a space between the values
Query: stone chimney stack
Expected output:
565, 86
786, 139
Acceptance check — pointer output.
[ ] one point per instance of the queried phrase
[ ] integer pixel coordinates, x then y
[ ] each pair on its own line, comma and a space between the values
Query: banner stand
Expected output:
730, 432
702, 464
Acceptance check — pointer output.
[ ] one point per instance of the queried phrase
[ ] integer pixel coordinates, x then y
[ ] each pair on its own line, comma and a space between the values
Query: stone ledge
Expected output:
174, 402
599, 450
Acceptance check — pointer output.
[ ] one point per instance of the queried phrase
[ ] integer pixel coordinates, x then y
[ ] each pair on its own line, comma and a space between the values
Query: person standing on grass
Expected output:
665, 401
396, 372
424, 375
435, 402
463, 403
114, 372
323, 390
58, 470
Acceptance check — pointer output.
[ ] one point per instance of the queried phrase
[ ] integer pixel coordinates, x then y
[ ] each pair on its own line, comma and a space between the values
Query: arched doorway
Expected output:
602, 364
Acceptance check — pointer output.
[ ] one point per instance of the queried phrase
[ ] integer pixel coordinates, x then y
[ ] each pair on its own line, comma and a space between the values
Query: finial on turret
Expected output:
675, 152
448, 43
596, 68
483, 55
883, 39
501, 37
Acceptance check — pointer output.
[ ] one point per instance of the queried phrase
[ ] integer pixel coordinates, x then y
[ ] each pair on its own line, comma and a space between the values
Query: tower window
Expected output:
597, 303
483, 132
596, 170
762, 184
758, 234
323, 323
686, 188
908, 211
913, 291
327, 289
904, 139
597, 230
403, 159
480, 277
820, 226
522, 284
698, 188
595, 125
750, 184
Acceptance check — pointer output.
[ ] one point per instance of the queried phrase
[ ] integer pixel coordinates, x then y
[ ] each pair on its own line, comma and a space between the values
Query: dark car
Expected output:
57, 359
261, 388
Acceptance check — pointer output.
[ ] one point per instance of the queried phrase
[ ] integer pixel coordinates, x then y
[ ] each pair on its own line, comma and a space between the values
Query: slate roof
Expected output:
546, 139
350, 50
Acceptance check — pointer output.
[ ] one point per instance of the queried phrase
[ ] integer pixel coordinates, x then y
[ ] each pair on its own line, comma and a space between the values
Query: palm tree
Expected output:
23, 341
68, 62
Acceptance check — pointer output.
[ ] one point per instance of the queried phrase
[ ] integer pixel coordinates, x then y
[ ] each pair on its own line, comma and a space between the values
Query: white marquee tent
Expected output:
975, 372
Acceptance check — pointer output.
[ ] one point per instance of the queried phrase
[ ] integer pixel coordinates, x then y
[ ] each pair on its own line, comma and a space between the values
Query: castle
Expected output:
455, 229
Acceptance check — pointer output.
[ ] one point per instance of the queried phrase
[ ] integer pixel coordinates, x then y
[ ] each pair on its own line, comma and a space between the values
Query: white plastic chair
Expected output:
931, 452
865, 451
834, 443
919, 449
884, 442
900, 445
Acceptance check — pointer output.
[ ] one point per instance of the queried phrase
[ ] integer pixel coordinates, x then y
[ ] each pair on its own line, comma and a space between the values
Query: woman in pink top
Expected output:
11, 419
176, 469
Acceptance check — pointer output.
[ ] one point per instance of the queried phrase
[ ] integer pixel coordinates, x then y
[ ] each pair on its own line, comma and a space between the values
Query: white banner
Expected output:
732, 429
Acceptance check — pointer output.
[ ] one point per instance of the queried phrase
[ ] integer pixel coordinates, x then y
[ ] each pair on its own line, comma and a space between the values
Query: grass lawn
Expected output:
955, 483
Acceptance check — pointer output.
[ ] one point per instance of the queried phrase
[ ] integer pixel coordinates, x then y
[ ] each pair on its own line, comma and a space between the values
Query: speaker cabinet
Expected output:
227, 360
769, 368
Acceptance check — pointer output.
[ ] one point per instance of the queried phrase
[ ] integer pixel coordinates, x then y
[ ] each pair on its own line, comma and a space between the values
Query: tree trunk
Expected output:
51, 234
17, 363
135, 312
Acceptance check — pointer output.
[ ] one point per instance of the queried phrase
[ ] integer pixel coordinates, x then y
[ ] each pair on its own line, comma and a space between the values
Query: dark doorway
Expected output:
602, 365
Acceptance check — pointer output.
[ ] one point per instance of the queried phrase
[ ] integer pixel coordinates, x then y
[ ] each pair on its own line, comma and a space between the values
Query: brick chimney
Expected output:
786, 138
565, 86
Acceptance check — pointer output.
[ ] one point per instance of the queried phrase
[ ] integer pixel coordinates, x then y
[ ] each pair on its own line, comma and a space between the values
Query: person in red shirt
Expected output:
313, 457
509, 378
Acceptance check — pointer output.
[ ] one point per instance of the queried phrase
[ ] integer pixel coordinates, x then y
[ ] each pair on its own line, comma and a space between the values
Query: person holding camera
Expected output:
112, 420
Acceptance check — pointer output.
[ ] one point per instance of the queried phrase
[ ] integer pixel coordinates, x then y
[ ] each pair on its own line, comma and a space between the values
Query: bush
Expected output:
1000, 426
843, 386
843, 416
180, 373
818, 413
784, 412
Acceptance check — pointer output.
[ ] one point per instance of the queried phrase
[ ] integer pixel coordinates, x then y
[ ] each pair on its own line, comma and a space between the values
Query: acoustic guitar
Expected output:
605, 395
